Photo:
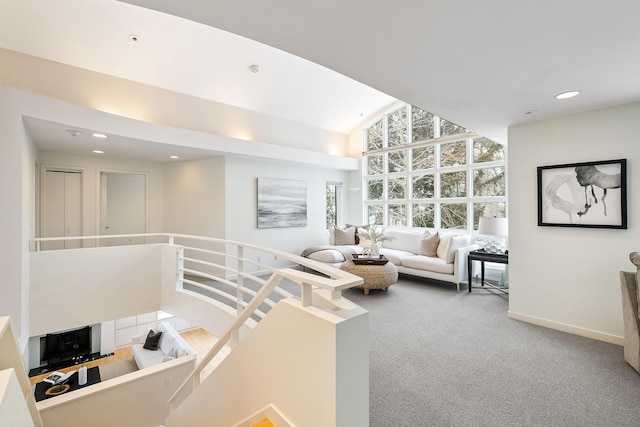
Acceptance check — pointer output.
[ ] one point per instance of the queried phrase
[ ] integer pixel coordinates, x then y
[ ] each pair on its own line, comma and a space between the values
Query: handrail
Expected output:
330, 279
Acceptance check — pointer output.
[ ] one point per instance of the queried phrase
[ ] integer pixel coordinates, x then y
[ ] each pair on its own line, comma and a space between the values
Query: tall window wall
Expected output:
420, 170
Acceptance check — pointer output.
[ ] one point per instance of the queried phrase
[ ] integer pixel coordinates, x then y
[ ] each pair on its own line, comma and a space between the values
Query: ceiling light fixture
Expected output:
100, 135
98, 152
254, 68
568, 94
174, 157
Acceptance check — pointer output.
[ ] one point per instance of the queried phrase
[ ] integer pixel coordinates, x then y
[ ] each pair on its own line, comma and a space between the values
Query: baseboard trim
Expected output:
575, 330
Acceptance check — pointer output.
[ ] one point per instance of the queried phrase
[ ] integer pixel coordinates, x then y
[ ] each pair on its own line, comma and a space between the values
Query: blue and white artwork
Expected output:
281, 203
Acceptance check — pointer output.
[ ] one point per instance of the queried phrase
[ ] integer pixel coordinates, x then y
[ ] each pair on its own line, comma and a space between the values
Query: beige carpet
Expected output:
115, 369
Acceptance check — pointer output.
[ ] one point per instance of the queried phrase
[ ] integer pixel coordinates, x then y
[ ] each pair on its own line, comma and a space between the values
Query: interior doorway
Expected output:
123, 207
60, 207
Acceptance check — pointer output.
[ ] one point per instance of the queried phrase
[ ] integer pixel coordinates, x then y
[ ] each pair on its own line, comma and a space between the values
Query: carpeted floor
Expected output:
443, 358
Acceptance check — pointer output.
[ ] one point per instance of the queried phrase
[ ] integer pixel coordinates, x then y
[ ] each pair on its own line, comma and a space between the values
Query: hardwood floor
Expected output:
199, 339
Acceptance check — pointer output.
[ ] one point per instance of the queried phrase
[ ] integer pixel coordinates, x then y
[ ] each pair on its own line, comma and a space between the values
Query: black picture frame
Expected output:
588, 194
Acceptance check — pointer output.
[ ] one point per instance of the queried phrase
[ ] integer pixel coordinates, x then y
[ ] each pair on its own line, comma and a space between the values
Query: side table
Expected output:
482, 256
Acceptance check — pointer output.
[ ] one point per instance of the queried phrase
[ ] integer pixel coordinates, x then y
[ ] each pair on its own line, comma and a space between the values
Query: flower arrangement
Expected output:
376, 234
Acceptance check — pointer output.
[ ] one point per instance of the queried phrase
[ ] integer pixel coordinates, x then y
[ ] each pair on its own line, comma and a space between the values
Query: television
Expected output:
71, 346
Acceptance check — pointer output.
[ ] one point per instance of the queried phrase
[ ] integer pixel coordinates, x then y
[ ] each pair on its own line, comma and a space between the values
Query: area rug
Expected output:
115, 369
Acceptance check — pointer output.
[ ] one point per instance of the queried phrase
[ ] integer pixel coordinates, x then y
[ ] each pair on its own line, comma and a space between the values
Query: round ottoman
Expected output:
375, 276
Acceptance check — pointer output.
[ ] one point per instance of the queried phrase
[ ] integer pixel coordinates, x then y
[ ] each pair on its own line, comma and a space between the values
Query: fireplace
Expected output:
65, 348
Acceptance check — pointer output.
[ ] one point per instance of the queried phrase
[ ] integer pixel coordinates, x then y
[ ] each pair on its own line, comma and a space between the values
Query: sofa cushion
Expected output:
429, 245
421, 262
455, 243
327, 255
152, 341
404, 240
396, 256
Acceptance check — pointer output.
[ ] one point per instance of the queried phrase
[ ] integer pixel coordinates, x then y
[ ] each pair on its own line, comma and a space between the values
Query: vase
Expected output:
375, 250
82, 375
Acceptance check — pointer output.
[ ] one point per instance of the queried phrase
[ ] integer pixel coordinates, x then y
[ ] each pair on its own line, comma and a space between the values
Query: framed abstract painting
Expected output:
590, 194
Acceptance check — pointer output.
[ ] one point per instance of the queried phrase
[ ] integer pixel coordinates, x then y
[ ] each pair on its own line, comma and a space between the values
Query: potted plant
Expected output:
376, 235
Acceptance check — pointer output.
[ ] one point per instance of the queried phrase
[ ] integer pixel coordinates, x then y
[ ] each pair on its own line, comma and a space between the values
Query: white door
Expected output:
123, 210
61, 211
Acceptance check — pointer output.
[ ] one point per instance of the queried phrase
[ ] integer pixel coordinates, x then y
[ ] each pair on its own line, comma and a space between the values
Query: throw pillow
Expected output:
153, 338
346, 236
456, 243
429, 245
442, 246
358, 228
332, 235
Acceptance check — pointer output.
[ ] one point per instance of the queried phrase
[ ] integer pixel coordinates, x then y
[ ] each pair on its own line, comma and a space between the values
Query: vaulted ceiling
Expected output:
484, 64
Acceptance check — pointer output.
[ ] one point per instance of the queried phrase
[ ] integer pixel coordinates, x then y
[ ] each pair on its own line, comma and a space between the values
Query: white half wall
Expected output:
311, 364
568, 278
77, 287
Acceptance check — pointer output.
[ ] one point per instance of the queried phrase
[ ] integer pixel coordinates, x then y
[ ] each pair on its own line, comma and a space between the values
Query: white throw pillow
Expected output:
167, 342
332, 235
455, 243
404, 240
443, 245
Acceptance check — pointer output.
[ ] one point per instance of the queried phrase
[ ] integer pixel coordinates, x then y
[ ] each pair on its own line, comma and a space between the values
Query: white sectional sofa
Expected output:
433, 254
170, 346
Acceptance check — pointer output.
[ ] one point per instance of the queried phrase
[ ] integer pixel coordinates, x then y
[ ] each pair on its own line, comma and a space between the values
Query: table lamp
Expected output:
496, 229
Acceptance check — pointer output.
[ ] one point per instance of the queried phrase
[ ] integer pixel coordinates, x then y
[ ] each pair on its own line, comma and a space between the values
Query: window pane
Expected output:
423, 158
374, 165
374, 214
397, 215
397, 122
453, 153
422, 124
489, 182
424, 215
486, 150
397, 188
331, 205
453, 184
423, 187
450, 128
374, 136
498, 210
454, 215
375, 189
397, 162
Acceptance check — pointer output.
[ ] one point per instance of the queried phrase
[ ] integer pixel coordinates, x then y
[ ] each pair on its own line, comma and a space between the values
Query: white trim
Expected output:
575, 330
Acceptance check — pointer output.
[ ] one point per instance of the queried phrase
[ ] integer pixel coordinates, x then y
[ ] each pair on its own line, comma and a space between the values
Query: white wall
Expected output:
78, 287
194, 193
241, 204
16, 217
567, 278
293, 352
91, 167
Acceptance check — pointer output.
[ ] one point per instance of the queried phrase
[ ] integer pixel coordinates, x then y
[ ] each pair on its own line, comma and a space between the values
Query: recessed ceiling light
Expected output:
74, 132
100, 135
568, 94
174, 157
254, 68
98, 152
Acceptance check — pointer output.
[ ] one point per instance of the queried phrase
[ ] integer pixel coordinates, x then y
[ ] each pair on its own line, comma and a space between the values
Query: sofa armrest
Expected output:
460, 262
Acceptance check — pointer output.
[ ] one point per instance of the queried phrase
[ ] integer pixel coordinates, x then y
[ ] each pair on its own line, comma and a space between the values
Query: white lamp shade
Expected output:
491, 226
